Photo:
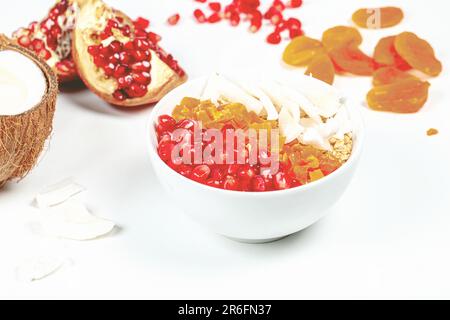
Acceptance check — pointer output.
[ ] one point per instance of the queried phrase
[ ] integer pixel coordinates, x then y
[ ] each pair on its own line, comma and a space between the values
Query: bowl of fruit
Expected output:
255, 159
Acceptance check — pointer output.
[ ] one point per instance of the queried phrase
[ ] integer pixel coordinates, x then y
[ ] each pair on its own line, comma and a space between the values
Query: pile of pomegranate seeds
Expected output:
129, 62
249, 10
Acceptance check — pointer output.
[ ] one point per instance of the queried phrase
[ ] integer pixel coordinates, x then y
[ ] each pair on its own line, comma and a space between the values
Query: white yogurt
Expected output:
22, 83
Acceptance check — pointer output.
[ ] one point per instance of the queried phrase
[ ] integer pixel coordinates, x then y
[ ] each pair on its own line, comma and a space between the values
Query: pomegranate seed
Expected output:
185, 170
235, 19
269, 13
280, 181
217, 174
141, 66
109, 69
165, 150
112, 24
124, 82
100, 61
45, 54
274, 38
141, 44
213, 183
295, 3
126, 31
293, 33
120, 71
279, 5
93, 50
276, 18
24, 41
201, 1
118, 95
199, 16
174, 19
37, 45
215, 6
153, 37
214, 18
258, 184
167, 122
201, 173
136, 90
105, 51
139, 55
114, 58
247, 172
141, 23
186, 124
115, 46
231, 183
142, 78
124, 58
293, 23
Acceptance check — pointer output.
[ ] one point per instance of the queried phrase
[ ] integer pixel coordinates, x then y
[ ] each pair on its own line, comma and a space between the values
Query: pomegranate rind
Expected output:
418, 53
377, 18
407, 96
92, 18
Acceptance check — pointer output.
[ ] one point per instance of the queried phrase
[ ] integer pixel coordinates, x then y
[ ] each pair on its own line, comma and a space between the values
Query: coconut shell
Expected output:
23, 136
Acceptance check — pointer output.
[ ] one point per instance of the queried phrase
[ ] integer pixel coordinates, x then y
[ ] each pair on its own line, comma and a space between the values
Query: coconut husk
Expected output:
23, 136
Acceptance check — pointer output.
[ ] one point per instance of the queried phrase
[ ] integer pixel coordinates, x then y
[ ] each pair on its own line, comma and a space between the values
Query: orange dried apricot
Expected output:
407, 96
341, 36
377, 18
322, 68
352, 60
389, 75
301, 50
386, 55
418, 53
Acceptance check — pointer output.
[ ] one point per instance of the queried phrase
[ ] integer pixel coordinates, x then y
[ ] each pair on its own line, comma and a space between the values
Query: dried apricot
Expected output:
377, 18
407, 96
352, 60
321, 67
389, 75
301, 50
341, 36
386, 55
418, 53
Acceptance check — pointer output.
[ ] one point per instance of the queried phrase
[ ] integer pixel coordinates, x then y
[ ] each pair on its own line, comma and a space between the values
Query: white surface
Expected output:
388, 237
22, 83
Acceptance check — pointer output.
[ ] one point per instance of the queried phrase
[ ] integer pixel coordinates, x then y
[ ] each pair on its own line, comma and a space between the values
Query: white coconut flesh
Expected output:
313, 114
22, 83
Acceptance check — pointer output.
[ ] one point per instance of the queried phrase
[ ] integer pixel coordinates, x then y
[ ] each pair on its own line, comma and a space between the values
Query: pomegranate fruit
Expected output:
119, 59
51, 38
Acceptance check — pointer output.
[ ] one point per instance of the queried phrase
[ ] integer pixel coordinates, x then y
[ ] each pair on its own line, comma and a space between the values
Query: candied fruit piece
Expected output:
407, 96
432, 132
316, 175
389, 75
352, 60
418, 53
341, 36
376, 18
386, 55
190, 102
301, 51
322, 68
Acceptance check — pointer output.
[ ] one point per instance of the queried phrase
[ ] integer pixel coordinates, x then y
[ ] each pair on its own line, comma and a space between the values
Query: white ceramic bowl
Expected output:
245, 216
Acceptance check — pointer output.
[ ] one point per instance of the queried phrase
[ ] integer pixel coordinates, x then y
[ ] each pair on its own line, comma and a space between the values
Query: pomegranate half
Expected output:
50, 38
119, 60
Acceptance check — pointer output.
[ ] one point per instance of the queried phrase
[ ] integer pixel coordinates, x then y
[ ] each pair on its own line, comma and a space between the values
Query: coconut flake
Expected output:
219, 87
58, 193
38, 268
312, 136
71, 220
289, 128
255, 91
280, 100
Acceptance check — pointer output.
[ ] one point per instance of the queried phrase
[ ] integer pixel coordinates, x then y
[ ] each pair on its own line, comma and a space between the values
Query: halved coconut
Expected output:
28, 89
119, 60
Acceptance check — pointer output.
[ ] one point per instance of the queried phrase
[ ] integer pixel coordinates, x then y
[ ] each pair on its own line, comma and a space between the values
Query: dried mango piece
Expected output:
316, 175
407, 96
341, 36
389, 75
322, 68
352, 60
418, 53
301, 50
386, 55
377, 18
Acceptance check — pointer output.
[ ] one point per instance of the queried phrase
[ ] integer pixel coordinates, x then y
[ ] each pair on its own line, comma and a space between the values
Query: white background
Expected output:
388, 237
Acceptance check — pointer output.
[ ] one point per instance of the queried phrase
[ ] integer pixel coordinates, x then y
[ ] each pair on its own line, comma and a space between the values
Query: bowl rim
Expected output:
358, 144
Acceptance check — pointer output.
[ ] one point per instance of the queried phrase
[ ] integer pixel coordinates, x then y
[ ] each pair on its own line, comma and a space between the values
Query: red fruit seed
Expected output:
274, 38
199, 16
174, 19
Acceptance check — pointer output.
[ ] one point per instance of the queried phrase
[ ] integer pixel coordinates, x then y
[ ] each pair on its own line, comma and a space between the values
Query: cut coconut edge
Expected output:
45, 105
164, 79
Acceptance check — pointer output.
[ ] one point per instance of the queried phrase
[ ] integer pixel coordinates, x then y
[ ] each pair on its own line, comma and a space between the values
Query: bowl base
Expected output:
257, 241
